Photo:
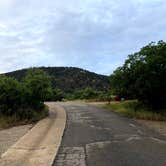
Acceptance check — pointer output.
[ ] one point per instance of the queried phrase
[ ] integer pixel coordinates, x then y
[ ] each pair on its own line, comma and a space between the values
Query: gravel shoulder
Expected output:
10, 136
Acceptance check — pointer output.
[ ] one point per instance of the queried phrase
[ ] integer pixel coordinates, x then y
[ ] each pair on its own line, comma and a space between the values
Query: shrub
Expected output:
11, 95
104, 96
24, 100
39, 87
86, 93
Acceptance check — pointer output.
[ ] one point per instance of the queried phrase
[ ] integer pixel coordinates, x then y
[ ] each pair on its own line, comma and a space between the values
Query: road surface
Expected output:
97, 137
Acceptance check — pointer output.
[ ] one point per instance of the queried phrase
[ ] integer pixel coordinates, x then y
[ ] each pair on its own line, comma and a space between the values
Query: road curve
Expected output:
97, 137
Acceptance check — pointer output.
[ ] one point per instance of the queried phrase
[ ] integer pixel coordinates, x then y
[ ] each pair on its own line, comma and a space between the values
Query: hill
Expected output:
69, 79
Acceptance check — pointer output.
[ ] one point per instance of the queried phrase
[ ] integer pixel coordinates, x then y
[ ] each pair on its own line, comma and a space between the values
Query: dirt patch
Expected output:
159, 126
10, 136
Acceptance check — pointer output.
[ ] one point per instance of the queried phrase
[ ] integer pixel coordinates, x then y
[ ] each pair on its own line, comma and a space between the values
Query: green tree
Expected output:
11, 95
143, 76
39, 87
57, 95
89, 93
24, 100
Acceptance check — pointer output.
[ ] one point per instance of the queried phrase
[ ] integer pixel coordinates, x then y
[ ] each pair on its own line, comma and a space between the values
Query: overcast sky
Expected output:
92, 34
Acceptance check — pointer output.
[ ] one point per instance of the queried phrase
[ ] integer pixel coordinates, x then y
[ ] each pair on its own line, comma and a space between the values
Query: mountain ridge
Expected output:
69, 79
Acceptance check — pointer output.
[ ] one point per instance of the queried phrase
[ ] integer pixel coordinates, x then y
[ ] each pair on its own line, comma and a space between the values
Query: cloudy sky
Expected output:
92, 34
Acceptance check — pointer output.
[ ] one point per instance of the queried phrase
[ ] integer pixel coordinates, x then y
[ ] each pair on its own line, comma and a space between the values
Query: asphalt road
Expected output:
97, 137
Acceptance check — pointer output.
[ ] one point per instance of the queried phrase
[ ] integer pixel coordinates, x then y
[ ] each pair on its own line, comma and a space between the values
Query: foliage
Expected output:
104, 96
24, 100
86, 93
29, 117
90, 94
56, 95
39, 87
69, 79
135, 109
143, 76
11, 94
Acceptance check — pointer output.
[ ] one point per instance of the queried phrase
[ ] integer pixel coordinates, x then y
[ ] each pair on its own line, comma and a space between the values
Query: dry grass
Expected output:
133, 109
6, 121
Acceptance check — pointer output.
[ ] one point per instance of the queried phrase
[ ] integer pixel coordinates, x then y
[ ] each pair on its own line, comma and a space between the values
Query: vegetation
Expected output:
70, 79
24, 101
14, 120
134, 109
55, 95
38, 84
90, 94
86, 93
143, 76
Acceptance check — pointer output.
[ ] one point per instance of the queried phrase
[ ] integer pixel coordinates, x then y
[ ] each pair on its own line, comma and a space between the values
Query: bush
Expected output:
24, 100
104, 96
11, 95
39, 87
57, 95
90, 94
86, 93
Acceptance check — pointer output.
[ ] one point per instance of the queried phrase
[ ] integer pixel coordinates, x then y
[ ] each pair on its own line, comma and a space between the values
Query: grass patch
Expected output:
134, 109
33, 116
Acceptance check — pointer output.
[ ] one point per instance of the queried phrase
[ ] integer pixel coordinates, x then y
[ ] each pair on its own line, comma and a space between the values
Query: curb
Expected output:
40, 145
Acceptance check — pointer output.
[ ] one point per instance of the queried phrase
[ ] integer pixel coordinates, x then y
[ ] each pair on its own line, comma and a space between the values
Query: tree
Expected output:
11, 95
143, 76
38, 83
118, 83
24, 100
57, 95
87, 93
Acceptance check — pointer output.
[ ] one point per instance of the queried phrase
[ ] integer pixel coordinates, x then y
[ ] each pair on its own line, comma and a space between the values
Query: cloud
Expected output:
96, 35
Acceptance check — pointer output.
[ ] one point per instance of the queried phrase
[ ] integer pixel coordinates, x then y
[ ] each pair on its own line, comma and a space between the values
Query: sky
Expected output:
96, 35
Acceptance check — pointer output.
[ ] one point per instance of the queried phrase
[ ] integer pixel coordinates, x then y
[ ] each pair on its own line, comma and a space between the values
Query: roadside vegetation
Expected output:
138, 87
142, 77
141, 80
134, 109
89, 94
23, 102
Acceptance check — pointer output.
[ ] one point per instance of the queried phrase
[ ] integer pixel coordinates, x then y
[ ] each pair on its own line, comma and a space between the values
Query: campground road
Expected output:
97, 137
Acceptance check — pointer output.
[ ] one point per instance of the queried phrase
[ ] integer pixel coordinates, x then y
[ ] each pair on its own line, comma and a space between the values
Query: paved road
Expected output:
97, 137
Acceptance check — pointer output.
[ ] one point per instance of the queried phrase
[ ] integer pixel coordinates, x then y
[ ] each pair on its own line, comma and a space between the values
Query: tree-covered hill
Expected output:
69, 79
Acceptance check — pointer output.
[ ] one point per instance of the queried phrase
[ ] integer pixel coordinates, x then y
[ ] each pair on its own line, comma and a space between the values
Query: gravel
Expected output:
10, 136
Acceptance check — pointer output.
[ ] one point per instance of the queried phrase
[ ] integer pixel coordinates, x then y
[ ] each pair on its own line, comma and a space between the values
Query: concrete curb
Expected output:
40, 145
